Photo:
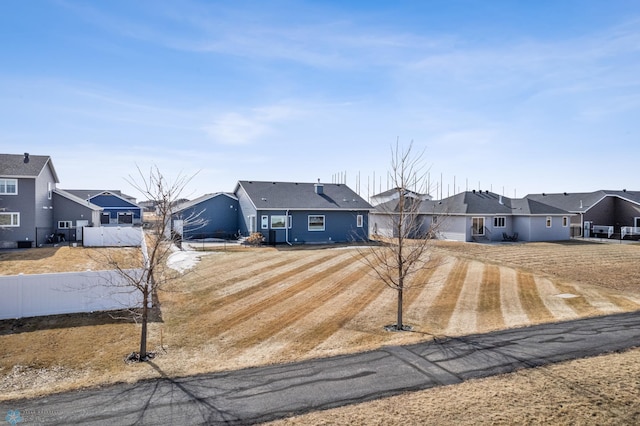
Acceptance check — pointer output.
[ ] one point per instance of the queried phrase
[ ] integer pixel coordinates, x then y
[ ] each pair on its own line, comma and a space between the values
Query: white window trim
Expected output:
479, 219
565, 221
65, 224
324, 224
360, 221
49, 190
264, 222
278, 216
504, 221
121, 214
252, 223
549, 221
15, 181
15, 219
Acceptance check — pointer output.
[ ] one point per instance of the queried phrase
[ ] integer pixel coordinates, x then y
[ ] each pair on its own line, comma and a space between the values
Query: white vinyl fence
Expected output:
73, 292
112, 236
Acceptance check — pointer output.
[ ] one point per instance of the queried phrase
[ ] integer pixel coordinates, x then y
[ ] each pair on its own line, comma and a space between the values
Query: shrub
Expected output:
255, 239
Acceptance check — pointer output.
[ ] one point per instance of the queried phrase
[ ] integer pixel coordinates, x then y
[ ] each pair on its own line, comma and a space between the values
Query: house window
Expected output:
565, 221
477, 226
359, 221
265, 222
8, 186
125, 218
499, 222
105, 218
278, 222
49, 190
9, 220
65, 224
548, 221
316, 222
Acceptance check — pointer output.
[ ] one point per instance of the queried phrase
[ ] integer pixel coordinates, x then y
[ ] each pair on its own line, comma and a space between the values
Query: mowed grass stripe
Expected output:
445, 303
489, 305
294, 312
264, 286
418, 283
229, 277
253, 309
623, 302
579, 304
530, 298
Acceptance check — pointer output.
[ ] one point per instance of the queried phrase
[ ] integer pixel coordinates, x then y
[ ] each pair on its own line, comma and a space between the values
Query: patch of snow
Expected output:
567, 295
182, 261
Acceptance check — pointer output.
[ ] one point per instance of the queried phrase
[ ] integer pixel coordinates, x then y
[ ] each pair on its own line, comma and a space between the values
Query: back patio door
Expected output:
477, 226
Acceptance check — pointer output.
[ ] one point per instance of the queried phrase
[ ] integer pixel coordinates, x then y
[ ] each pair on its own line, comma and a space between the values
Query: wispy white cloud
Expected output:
235, 128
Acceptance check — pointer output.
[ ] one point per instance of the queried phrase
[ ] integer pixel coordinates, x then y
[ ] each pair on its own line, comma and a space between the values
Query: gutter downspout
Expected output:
286, 228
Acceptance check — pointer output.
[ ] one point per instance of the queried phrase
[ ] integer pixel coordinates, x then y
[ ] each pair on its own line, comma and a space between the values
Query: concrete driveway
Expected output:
259, 394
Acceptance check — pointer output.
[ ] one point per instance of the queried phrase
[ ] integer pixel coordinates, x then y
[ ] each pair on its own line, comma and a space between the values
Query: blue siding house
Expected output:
117, 208
209, 216
302, 213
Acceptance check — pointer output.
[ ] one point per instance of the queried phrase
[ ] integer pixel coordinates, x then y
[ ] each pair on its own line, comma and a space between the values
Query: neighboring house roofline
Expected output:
25, 166
87, 194
201, 199
77, 200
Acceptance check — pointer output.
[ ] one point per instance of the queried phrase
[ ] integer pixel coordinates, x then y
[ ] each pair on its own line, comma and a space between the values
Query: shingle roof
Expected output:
77, 200
302, 196
23, 166
196, 201
86, 194
487, 203
580, 202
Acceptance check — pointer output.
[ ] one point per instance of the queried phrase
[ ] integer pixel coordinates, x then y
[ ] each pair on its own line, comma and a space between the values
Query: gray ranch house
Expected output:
299, 213
482, 216
606, 214
27, 183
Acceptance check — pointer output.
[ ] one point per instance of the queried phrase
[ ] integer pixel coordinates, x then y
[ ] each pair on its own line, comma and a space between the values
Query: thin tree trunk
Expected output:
399, 324
143, 334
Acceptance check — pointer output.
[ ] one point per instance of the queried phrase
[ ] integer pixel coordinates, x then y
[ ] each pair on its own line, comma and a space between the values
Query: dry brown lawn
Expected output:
261, 306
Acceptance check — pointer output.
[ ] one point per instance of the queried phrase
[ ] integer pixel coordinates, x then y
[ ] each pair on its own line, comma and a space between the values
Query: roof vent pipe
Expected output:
26, 157
319, 188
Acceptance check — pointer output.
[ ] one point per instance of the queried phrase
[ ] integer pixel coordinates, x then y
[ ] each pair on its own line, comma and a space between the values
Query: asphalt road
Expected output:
266, 393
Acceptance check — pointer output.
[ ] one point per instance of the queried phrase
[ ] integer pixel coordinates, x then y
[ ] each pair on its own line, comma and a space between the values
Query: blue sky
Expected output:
514, 96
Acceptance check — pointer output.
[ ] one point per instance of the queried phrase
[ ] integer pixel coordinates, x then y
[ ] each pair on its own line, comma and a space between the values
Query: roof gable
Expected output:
77, 200
581, 202
25, 166
202, 199
301, 196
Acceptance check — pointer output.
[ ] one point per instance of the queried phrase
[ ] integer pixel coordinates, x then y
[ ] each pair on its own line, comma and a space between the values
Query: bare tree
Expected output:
153, 273
405, 237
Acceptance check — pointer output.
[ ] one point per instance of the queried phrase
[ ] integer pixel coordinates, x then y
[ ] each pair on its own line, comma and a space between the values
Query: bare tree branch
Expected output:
404, 246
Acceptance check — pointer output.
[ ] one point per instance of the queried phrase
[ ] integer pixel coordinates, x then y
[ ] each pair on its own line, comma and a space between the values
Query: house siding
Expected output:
340, 227
533, 228
456, 228
23, 203
65, 209
246, 209
216, 217
113, 205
